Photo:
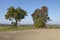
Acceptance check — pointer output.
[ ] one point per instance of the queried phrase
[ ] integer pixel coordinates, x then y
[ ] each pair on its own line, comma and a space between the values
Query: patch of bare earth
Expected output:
37, 34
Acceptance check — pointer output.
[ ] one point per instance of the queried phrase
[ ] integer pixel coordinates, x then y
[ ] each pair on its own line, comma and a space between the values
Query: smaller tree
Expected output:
15, 14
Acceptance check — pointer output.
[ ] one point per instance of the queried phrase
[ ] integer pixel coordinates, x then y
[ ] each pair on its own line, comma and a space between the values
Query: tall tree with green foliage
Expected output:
40, 17
15, 14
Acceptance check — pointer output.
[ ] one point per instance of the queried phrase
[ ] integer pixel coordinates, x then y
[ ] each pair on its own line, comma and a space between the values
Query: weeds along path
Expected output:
36, 34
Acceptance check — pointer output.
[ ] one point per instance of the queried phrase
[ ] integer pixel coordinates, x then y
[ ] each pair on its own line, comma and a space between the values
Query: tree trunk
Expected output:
16, 22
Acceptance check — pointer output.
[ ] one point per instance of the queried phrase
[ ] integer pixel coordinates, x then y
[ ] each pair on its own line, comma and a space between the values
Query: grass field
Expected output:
12, 28
29, 33
25, 27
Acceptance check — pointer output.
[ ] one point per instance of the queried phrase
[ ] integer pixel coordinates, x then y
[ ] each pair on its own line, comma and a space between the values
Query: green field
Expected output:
25, 27
13, 28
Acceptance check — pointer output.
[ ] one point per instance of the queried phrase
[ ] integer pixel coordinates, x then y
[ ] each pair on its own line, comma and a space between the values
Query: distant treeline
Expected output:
4, 24
18, 25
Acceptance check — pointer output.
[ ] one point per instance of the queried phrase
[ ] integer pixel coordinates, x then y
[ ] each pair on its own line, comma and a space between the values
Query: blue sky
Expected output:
30, 6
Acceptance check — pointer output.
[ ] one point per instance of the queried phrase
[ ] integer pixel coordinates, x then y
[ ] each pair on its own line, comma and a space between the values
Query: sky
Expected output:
30, 6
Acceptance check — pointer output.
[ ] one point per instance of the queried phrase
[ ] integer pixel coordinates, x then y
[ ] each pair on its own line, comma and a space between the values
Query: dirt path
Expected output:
38, 34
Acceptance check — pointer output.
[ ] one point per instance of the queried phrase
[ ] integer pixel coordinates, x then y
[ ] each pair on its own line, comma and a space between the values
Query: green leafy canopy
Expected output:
15, 13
